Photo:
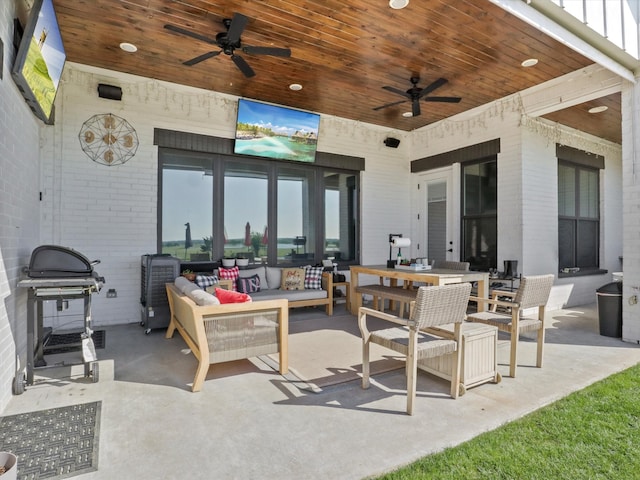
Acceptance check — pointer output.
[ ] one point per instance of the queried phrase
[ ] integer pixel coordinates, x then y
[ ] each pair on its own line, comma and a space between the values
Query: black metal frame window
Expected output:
480, 213
212, 206
578, 216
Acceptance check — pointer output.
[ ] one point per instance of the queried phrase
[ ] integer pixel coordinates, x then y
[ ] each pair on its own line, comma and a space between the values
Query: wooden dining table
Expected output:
435, 276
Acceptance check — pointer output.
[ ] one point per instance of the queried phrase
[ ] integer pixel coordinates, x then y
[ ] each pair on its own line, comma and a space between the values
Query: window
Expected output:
186, 231
578, 216
340, 216
479, 214
268, 211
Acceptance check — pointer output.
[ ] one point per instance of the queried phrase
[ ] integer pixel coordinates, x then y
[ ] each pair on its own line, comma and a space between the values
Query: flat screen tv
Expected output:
271, 131
39, 60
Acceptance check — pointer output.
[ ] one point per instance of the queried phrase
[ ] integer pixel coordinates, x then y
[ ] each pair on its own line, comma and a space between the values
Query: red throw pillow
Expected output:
228, 296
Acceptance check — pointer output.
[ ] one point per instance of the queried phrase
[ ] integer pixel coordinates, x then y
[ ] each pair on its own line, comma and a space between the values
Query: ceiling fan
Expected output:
415, 94
229, 41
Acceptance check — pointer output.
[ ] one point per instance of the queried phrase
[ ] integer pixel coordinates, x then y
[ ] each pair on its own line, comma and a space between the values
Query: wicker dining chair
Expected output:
451, 265
433, 306
533, 292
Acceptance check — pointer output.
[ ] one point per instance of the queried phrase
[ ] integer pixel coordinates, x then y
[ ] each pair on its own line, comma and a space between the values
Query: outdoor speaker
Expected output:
110, 92
391, 142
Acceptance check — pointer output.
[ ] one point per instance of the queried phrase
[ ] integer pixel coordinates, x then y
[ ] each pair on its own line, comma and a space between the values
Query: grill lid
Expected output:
50, 261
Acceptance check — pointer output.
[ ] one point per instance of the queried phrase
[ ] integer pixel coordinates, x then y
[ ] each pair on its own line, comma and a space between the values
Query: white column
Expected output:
631, 210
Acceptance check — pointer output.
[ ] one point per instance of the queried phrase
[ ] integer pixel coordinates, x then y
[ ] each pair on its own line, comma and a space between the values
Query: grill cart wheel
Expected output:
19, 383
95, 371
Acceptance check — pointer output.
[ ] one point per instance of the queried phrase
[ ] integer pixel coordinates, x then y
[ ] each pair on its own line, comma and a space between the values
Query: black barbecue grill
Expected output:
57, 273
54, 261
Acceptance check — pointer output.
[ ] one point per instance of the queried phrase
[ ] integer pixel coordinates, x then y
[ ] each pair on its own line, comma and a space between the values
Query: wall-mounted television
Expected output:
272, 131
40, 59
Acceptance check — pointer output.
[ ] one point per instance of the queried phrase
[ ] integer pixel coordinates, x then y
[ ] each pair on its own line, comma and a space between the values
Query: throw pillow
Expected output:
274, 277
182, 283
249, 284
203, 298
228, 296
229, 274
313, 278
260, 271
204, 281
292, 279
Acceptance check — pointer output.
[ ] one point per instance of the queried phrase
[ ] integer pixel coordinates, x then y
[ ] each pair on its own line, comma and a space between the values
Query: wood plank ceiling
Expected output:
342, 53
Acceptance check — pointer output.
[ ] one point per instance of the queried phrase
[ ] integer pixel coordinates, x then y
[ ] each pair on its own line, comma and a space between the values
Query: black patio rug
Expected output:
71, 342
55, 443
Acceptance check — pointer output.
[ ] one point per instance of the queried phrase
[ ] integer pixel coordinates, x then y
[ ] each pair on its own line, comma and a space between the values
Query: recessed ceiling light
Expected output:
128, 47
407, 114
295, 87
599, 109
529, 62
398, 4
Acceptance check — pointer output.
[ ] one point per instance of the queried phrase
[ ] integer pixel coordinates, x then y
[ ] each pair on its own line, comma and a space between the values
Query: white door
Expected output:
437, 229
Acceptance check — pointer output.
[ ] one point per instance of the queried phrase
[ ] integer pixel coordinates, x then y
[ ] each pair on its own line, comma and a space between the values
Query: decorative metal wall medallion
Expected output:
108, 139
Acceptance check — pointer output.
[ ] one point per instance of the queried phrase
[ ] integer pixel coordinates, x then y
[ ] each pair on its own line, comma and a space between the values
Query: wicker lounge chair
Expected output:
533, 292
433, 306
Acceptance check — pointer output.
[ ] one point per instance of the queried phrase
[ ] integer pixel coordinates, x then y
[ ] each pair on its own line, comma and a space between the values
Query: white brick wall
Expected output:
19, 210
527, 190
110, 213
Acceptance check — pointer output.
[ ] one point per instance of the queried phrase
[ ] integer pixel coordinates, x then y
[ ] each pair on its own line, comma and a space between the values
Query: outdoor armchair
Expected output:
533, 292
433, 306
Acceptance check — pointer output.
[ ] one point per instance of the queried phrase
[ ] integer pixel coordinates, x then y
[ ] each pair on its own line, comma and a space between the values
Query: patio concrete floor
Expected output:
248, 422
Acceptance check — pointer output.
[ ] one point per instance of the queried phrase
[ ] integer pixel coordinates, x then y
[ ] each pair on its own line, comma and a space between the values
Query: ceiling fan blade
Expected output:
442, 99
276, 52
390, 105
243, 66
398, 91
437, 84
415, 108
237, 27
201, 58
188, 33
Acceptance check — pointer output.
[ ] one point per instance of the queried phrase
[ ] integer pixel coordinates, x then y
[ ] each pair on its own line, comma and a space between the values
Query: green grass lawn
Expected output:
591, 434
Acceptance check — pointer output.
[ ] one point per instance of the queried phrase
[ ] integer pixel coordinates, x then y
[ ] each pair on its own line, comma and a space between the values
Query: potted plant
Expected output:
228, 262
189, 275
242, 261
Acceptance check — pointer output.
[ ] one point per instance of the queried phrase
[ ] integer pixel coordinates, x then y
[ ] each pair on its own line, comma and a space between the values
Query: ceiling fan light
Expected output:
529, 62
598, 109
398, 4
128, 47
407, 114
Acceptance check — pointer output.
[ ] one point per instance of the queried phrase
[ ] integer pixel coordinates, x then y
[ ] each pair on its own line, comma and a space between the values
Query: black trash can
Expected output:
610, 309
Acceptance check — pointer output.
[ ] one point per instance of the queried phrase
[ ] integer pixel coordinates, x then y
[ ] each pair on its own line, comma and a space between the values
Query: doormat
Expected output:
55, 443
72, 342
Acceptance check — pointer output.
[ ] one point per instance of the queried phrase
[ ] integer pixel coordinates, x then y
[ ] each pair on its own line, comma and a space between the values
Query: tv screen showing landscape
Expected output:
40, 60
270, 131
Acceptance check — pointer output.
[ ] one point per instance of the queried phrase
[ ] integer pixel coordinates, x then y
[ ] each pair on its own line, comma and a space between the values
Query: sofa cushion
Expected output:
249, 284
313, 277
202, 298
260, 271
291, 295
229, 274
274, 277
228, 296
292, 278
